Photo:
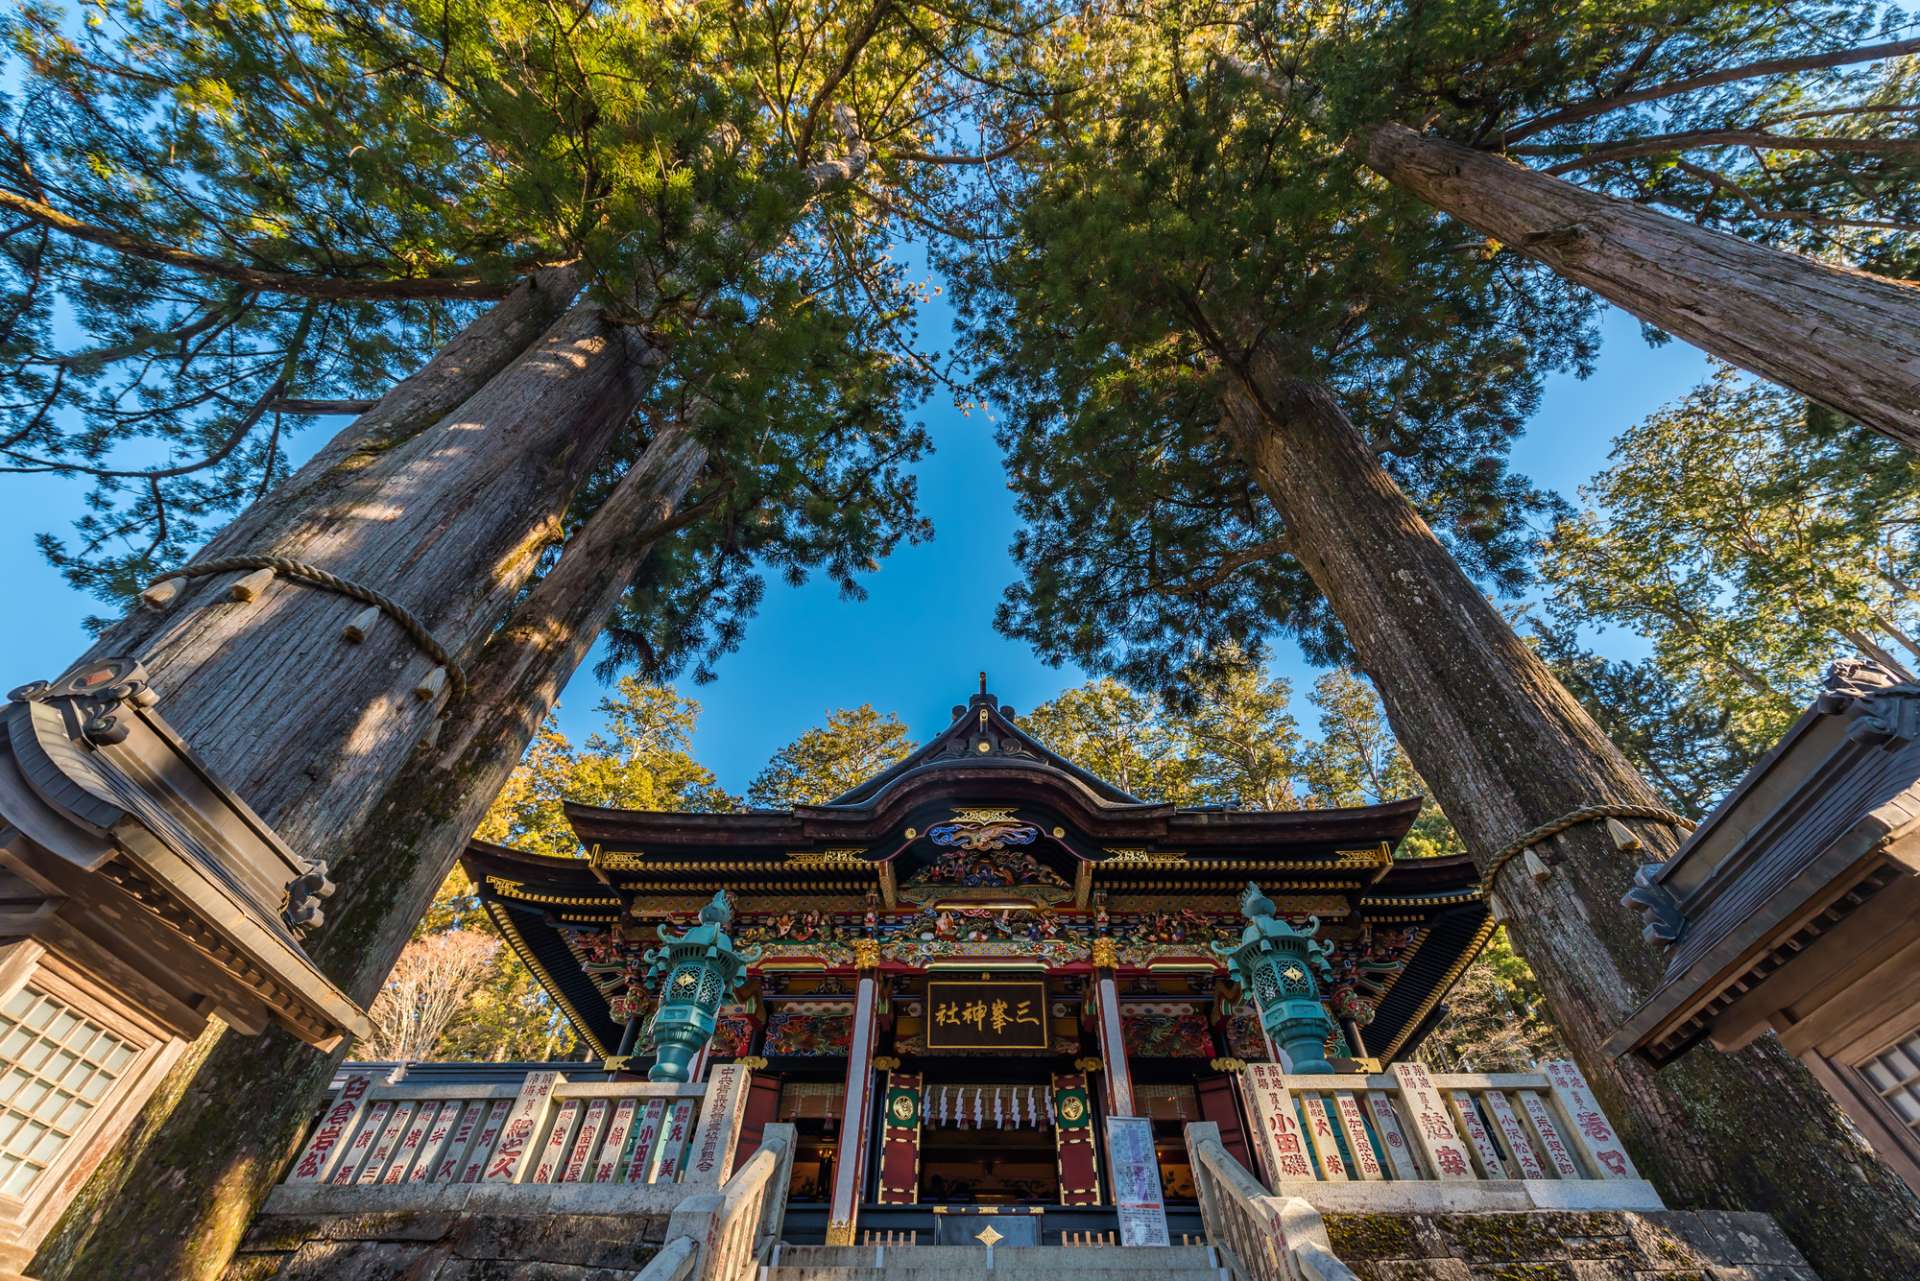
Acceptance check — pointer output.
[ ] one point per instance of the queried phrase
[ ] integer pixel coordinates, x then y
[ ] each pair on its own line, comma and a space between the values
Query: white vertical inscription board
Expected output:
1136, 1181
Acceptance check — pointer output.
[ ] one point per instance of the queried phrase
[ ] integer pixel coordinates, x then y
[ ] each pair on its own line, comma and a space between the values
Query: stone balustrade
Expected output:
1416, 1141
729, 1234
540, 1142
1259, 1237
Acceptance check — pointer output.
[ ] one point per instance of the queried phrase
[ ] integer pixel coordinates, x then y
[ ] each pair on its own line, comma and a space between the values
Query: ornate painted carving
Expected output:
989, 870
983, 829
94, 692
1166, 1030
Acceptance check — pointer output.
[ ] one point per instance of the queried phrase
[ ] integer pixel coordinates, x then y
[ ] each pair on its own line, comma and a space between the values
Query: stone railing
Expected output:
1260, 1237
1416, 1141
543, 1141
726, 1235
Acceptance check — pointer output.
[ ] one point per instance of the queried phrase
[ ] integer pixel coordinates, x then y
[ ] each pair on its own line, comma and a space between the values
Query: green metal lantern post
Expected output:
1280, 966
696, 973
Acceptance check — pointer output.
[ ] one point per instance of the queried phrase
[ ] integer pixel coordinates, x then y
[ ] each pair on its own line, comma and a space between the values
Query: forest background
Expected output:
1690, 608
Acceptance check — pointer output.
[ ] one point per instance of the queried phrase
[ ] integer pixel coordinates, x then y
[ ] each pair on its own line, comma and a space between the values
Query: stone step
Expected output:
979, 1271
1004, 1263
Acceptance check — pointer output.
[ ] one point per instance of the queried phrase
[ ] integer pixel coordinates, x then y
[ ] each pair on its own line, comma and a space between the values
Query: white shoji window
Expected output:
59, 1065
1895, 1075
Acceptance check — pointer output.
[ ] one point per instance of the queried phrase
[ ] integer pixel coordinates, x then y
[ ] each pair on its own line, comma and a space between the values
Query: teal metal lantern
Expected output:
695, 974
1281, 967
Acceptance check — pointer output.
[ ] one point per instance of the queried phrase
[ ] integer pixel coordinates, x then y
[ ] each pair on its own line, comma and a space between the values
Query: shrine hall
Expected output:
953, 975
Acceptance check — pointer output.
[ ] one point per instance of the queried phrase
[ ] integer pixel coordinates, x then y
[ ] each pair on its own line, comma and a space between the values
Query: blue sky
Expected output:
916, 644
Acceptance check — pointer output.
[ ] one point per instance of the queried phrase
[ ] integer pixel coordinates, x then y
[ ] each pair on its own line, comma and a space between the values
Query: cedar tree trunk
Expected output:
320, 737
1505, 748
457, 370
450, 521
1848, 339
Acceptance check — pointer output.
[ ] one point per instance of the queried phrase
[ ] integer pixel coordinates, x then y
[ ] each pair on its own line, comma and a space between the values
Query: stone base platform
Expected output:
1555, 1245
426, 1246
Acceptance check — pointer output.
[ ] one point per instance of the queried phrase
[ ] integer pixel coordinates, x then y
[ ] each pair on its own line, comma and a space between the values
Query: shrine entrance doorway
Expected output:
988, 1145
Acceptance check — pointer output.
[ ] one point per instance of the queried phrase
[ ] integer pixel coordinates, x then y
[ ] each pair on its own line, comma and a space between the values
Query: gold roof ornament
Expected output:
823, 860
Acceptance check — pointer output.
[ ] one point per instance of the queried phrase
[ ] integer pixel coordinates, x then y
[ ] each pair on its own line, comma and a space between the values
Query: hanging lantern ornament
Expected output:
695, 973
1281, 967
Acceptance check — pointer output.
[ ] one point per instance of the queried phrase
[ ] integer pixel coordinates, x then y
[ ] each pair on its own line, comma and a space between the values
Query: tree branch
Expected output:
1659, 143
1721, 182
239, 433
279, 282
1687, 84
859, 41
1225, 567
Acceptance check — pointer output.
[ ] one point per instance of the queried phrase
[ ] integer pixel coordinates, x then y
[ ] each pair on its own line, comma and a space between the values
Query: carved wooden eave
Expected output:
1823, 825
1097, 850
119, 843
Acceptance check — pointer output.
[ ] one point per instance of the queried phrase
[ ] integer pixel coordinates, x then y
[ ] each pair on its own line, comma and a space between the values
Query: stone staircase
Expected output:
1001, 1263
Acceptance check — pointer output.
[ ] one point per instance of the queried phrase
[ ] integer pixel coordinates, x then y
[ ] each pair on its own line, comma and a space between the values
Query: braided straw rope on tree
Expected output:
313, 576
1573, 818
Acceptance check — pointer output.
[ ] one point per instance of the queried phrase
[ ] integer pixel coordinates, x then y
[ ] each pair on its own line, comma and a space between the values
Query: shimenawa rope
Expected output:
1573, 818
314, 576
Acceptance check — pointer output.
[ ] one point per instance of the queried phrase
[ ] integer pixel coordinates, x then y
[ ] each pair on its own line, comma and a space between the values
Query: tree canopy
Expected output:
252, 215
1751, 541
1139, 254
850, 747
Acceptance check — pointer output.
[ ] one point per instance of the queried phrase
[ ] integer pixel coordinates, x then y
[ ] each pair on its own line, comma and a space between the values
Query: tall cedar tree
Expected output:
684, 215
1741, 175
1248, 391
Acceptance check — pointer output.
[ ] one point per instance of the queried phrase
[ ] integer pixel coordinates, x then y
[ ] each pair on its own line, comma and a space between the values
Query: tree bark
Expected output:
173, 1199
1505, 747
1847, 339
450, 522
465, 364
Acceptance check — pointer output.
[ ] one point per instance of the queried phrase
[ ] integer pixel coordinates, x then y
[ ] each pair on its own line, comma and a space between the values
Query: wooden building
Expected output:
1794, 909
964, 965
139, 896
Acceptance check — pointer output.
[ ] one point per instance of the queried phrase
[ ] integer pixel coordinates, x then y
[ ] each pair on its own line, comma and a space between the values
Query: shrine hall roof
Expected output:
983, 757
1085, 847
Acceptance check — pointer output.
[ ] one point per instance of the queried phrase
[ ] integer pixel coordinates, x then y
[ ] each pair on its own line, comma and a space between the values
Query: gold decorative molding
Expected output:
1129, 857
1450, 898
886, 1062
963, 814
820, 860
518, 890
503, 919
617, 1063
1228, 1065
866, 954
617, 860
752, 1063
1380, 855
1106, 954
840, 1232
1088, 1065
